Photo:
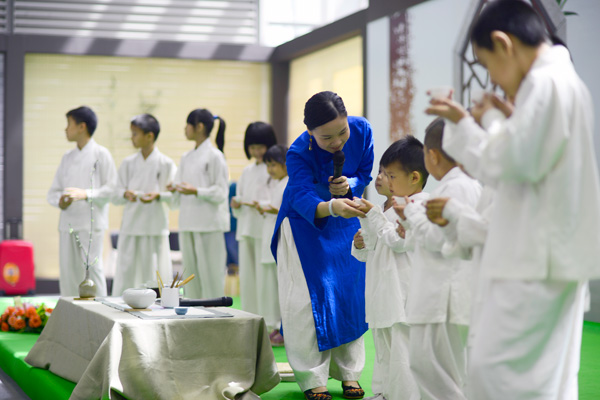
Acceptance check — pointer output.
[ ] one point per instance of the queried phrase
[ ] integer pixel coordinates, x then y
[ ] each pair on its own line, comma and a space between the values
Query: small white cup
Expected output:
477, 95
440, 92
399, 200
170, 297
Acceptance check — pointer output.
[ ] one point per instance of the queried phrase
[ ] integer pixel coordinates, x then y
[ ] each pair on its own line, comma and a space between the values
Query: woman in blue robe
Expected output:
321, 286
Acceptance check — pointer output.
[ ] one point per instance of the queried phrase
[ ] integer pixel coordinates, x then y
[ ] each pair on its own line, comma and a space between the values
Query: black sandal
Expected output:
351, 392
310, 395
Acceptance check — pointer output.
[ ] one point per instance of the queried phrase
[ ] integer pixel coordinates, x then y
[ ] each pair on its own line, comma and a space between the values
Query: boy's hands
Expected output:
186, 188
401, 231
399, 208
65, 201
171, 188
359, 242
76, 194
130, 196
234, 203
268, 209
150, 197
364, 205
446, 108
435, 208
338, 186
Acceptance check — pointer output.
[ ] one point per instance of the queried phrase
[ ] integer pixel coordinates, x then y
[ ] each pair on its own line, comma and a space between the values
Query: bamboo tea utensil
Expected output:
175, 280
159, 283
189, 278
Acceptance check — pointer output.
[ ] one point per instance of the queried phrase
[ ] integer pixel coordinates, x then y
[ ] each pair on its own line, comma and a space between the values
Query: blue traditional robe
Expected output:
335, 279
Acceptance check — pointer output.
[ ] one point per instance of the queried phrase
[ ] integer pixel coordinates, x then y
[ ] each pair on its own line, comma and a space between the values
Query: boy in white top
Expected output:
402, 173
86, 178
201, 190
438, 305
268, 286
251, 189
143, 246
543, 243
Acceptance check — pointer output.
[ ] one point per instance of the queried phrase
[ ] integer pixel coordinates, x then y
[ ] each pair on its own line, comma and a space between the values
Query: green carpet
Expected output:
41, 384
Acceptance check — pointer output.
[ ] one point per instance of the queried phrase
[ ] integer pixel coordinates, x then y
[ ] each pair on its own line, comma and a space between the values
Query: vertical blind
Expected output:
219, 21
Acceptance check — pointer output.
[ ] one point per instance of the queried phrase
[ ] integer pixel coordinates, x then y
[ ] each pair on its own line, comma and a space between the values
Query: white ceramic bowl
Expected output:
139, 298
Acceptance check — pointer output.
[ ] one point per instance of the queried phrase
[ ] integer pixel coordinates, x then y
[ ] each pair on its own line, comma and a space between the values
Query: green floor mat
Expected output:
41, 384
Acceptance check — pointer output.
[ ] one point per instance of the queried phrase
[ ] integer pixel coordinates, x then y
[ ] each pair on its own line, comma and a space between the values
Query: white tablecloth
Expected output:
102, 349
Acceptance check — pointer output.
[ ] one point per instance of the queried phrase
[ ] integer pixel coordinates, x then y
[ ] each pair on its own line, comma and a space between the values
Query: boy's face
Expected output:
333, 135
276, 170
381, 183
257, 151
399, 181
139, 139
502, 66
74, 130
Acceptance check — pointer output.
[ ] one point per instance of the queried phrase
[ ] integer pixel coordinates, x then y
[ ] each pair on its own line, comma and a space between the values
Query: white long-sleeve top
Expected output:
472, 224
275, 190
75, 170
251, 187
440, 289
208, 211
388, 267
541, 160
142, 176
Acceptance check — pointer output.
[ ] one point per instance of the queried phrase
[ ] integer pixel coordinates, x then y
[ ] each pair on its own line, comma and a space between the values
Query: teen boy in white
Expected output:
143, 246
543, 243
86, 177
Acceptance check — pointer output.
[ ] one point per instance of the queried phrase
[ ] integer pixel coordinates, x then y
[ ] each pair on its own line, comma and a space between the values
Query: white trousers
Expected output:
249, 250
438, 359
392, 375
267, 289
204, 254
528, 341
138, 259
311, 367
72, 262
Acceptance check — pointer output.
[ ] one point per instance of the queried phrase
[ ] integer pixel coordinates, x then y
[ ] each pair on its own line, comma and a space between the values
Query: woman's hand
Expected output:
338, 186
346, 208
171, 187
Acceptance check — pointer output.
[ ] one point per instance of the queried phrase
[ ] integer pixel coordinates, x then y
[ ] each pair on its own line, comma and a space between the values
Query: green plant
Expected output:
561, 4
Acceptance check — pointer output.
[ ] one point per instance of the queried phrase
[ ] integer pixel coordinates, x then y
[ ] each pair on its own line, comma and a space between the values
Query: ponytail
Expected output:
205, 117
220, 138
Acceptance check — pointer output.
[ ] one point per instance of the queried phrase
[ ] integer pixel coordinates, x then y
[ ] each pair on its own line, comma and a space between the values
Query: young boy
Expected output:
86, 177
143, 246
438, 303
402, 173
268, 286
543, 242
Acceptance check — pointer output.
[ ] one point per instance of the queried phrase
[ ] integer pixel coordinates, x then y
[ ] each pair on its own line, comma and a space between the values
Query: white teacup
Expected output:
170, 297
440, 92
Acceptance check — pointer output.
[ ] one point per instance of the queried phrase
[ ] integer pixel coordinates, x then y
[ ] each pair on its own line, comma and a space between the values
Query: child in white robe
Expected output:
543, 242
438, 305
388, 264
267, 284
201, 190
143, 246
86, 177
251, 189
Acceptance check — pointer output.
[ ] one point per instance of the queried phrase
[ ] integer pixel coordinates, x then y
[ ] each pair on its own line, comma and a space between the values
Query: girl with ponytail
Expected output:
201, 190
